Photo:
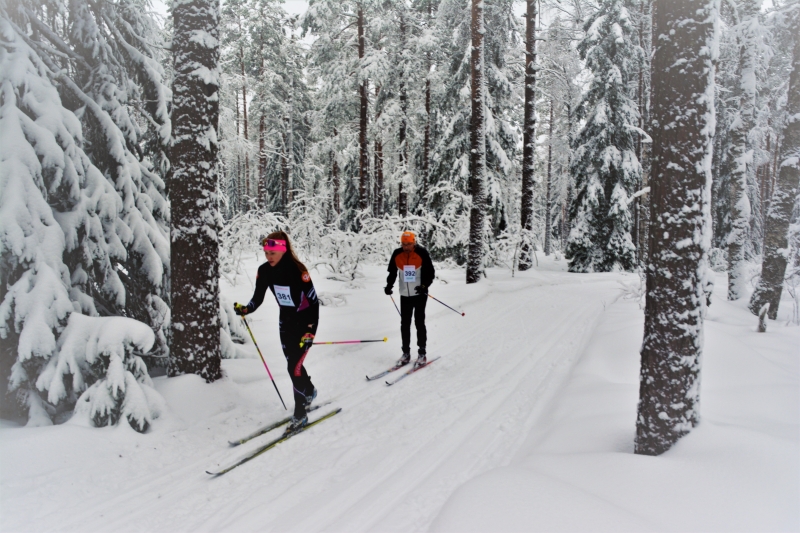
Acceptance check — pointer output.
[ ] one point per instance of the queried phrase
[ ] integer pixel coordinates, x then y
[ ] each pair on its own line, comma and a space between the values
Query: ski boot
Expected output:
421, 359
404, 359
310, 397
296, 423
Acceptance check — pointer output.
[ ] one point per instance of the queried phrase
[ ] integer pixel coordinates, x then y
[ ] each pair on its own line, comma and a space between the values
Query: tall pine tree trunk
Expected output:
477, 145
528, 135
248, 190
402, 195
335, 178
784, 196
548, 226
193, 191
262, 162
683, 99
426, 146
363, 158
377, 199
741, 154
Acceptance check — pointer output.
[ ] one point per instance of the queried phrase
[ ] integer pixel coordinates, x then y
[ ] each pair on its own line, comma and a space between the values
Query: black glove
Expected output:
240, 309
421, 290
388, 290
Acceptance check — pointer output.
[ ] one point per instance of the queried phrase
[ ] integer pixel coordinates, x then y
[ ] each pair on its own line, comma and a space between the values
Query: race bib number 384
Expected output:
284, 295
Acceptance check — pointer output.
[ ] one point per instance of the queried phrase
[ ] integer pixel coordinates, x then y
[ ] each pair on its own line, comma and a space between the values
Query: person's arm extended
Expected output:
392, 277
258, 294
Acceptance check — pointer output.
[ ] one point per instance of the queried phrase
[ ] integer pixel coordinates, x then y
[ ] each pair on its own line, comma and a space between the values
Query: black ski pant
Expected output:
295, 356
413, 305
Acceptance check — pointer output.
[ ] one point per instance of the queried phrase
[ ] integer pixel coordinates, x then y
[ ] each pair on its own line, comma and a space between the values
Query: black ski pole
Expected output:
263, 361
447, 306
395, 305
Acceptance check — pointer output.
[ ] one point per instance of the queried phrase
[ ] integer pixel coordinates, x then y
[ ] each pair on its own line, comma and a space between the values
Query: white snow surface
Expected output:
526, 423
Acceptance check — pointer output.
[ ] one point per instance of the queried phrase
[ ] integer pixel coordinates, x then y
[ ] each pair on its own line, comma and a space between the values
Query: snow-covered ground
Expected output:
526, 423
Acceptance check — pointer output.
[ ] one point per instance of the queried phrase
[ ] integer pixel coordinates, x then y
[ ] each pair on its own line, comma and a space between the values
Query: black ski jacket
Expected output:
415, 269
294, 292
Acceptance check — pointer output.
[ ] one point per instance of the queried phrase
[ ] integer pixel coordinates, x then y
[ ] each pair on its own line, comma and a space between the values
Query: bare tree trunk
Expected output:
548, 226
426, 146
528, 134
740, 155
402, 195
262, 163
683, 97
195, 346
773, 268
288, 157
377, 199
335, 179
248, 189
477, 144
640, 97
363, 159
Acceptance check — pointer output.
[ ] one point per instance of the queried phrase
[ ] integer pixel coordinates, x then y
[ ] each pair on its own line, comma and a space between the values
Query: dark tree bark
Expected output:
548, 225
363, 158
528, 134
779, 214
426, 145
262, 163
288, 157
683, 114
477, 145
335, 179
377, 200
402, 195
194, 261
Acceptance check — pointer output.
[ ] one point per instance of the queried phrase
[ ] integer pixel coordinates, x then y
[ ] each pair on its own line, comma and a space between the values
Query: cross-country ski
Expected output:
410, 371
269, 427
271, 444
386, 372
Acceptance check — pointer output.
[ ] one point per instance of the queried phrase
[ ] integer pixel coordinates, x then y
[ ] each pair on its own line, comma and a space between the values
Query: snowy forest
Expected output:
145, 149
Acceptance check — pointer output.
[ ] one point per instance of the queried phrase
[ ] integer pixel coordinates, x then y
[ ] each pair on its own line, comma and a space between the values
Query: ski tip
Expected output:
213, 474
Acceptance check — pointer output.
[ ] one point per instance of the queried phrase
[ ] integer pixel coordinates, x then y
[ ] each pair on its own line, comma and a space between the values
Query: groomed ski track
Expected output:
394, 455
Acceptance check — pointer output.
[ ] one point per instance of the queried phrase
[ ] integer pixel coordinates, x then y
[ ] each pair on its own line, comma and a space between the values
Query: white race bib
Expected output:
284, 295
409, 273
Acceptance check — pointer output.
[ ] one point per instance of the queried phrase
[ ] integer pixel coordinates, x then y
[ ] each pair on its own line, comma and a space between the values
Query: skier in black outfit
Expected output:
415, 267
290, 283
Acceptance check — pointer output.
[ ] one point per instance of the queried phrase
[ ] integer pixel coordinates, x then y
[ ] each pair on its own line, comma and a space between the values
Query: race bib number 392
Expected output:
284, 295
409, 273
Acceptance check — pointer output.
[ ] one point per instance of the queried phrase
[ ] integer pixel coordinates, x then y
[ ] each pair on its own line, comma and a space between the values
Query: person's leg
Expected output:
301, 381
406, 311
419, 323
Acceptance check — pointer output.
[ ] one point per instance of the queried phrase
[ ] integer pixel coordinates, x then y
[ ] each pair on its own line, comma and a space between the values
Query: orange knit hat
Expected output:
408, 237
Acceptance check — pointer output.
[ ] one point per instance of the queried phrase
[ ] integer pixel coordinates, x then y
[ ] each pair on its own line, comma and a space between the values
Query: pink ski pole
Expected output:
263, 361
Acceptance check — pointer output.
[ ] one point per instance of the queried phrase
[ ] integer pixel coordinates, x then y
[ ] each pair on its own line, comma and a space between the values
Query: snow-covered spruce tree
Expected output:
604, 164
193, 190
66, 226
685, 41
740, 149
784, 197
